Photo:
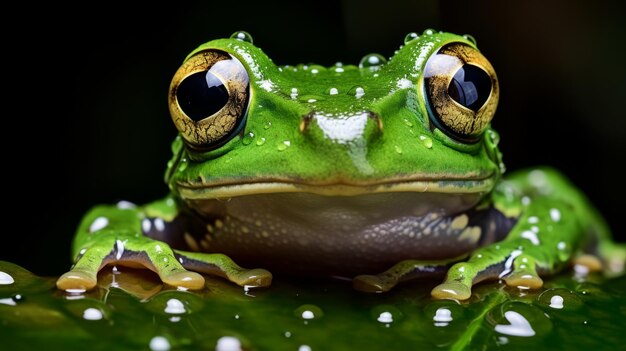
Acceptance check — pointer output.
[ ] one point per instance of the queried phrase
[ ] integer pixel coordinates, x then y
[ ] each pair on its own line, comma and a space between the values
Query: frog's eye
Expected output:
208, 98
462, 91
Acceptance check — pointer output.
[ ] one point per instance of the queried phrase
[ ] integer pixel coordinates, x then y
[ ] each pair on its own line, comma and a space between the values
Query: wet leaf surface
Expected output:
132, 310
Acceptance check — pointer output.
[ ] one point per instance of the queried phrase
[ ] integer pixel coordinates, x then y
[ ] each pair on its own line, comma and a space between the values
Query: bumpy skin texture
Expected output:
346, 171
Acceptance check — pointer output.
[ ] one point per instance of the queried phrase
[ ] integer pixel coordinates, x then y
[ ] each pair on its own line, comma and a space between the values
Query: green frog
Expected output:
380, 173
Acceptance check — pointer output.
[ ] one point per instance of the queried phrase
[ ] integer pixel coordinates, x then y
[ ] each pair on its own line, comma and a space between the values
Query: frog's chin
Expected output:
444, 186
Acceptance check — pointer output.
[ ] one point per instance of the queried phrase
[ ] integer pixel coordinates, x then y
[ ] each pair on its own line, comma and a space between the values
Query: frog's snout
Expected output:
342, 128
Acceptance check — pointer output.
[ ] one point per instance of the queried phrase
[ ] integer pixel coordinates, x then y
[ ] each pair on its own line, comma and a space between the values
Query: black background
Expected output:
86, 118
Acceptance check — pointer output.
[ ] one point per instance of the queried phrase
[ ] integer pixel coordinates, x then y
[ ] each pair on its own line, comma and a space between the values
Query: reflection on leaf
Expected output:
132, 310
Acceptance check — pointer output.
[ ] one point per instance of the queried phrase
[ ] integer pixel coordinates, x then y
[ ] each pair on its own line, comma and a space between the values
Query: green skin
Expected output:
539, 222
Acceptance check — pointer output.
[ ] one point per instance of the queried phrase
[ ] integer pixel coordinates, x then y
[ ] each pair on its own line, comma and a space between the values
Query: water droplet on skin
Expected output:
410, 37
247, 139
267, 125
98, 224
357, 92
398, 149
408, 123
242, 35
470, 38
284, 145
429, 31
182, 165
260, 141
372, 61
339, 69
426, 141
333, 91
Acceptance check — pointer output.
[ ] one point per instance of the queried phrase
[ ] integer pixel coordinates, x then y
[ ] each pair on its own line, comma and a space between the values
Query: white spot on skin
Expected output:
6, 279
174, 306
146, 225
404, 83
561, 245
534, 229
119, 246
159, 224
126, 205
533, 220
98, 224
530, 235
537, 178
294, 93
518, 326
159, 343
385, 317
92, 314
556, 302
525, 201
338, 69
266, 85
508, 265
333, 91
555, 215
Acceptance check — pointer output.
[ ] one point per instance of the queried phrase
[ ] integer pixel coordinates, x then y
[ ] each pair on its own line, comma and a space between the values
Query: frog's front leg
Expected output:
115, 235
556, 224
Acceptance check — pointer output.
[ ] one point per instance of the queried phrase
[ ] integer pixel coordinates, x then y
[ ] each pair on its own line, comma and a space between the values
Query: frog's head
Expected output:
418, 123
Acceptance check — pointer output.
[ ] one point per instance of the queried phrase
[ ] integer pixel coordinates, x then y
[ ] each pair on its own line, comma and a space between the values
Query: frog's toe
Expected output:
221, 265
371, 284
77, 280
524, 279
452, 290
524, 274
591, 262
257, 278
184, 279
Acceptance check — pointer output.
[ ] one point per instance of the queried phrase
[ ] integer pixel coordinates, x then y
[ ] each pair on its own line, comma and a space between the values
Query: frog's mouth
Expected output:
221, 190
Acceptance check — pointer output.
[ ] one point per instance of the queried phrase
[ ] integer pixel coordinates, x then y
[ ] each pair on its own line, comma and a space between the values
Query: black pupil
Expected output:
201, 94
470, 87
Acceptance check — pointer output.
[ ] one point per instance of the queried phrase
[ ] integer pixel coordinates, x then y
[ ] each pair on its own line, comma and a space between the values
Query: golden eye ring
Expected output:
208, 98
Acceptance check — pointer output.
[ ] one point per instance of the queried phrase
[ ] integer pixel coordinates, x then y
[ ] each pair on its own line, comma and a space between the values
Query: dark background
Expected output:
87, 119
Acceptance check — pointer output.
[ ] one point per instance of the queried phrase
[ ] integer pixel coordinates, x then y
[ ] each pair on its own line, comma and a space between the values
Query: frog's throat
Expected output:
444, 186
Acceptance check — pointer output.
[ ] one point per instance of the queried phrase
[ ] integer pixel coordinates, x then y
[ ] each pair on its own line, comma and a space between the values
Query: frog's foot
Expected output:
405, 270
223, 266
613, 256
517, 270
133, 252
